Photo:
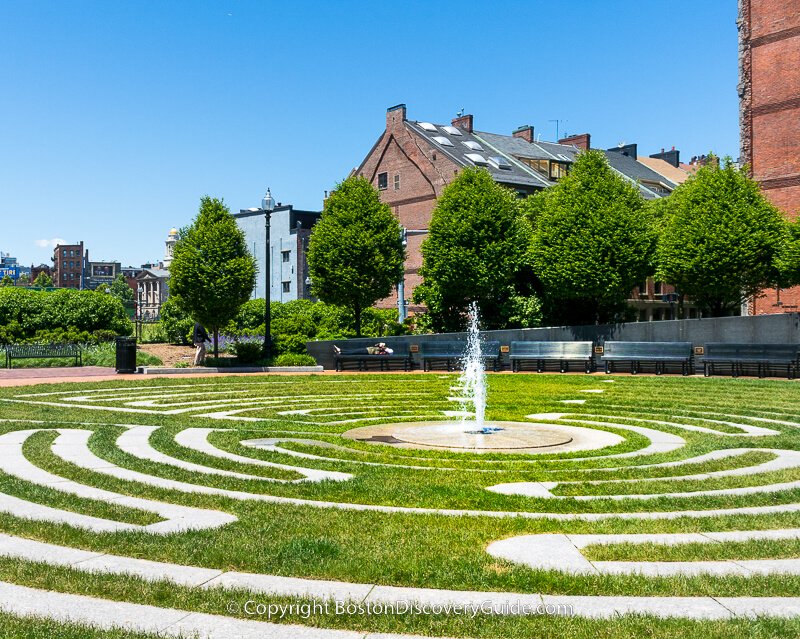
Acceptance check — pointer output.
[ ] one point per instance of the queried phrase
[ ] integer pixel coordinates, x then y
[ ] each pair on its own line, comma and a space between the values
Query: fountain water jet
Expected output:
472, 382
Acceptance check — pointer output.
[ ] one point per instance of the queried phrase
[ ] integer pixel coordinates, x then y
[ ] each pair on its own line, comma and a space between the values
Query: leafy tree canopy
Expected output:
43, 280
475, 251
120, 289
723, 241
24, 280
593, 241
355, 254
212, 273
6, 281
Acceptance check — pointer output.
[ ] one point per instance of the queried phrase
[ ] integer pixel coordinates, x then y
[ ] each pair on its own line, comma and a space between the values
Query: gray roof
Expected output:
522, 175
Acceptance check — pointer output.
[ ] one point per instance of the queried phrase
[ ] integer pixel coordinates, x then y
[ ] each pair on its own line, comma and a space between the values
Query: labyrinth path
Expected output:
696, 493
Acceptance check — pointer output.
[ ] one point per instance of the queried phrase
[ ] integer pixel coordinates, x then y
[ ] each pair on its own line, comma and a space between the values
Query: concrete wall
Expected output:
784, 328
282, 239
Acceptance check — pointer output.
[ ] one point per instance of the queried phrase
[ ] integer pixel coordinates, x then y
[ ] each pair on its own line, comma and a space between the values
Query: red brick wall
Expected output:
770, 118
423, 171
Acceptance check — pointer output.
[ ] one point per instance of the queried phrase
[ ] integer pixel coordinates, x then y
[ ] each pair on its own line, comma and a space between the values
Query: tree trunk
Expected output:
216, 342
357, 313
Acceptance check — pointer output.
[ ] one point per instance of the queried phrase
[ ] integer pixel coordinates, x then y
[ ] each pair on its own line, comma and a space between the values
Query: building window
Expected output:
286, 286
643, 289
383, 181
72, 276
72, 252
557, 170
397, 182
64, 253
659, 288
64, 277
285, 256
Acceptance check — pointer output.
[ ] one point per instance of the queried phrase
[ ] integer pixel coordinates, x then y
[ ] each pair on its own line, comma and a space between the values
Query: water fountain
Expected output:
472, 383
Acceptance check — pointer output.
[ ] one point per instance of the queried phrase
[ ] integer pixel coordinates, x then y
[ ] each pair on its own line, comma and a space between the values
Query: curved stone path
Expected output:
562, 553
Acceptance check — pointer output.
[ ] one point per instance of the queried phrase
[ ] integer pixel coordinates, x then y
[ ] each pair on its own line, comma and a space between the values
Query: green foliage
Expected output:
24, 280
593, 241
299, 321
247, 352
175, 322
294, 359
43, 280
212, 273
722, 242
120, 289
6, 281
355, 254
25, 313
788, 260
475, 251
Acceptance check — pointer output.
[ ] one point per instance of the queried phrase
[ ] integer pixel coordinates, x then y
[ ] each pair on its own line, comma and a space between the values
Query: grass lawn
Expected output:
414, 549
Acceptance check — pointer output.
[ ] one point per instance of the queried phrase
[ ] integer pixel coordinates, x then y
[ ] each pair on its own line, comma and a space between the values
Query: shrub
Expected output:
293, 359
175, 322
247, 352
25, 312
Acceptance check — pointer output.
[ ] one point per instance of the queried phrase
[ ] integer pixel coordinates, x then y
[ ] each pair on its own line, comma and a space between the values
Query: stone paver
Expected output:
562, 552
197, 439
498, 602
175, 518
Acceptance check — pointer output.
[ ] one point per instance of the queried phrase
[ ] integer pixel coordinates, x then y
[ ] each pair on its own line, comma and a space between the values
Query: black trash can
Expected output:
126, 355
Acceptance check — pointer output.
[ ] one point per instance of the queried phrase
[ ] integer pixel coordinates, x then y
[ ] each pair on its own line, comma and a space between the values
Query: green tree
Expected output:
723, 241
475, 251
593, 241
6, 281
24, 280
43, 280
355, 254
120, 289
212, 273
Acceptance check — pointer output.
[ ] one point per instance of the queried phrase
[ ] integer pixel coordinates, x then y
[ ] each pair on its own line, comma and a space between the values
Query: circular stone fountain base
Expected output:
510, 437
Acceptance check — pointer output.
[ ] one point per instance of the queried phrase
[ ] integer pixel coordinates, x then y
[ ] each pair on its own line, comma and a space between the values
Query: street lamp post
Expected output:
267, 206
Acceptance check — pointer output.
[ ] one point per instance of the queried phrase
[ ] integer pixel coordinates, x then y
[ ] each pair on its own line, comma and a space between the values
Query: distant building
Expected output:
169, 246
42, 268
413, 161
69, 266
152, 290
769, 116
151, 282
102, 274
9, 267
290, 230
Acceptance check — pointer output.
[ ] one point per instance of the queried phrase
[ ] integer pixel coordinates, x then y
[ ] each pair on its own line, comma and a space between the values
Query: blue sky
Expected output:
116, 117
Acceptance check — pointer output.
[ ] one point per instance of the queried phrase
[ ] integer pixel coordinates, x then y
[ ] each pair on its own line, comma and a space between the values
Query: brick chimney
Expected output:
395, 116
673, 156
581, 140
525, 132
463, 122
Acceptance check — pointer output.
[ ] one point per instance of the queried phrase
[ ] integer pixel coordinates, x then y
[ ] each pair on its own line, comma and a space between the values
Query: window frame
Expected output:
383, 181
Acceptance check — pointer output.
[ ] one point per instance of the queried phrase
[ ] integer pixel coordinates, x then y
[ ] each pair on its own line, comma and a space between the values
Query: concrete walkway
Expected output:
497, 602
562, 552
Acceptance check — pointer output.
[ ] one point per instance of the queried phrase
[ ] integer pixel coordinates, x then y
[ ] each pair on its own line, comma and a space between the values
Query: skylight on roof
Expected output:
472, 144
442, 140
451, 130
500, 162
477, 159
427, 126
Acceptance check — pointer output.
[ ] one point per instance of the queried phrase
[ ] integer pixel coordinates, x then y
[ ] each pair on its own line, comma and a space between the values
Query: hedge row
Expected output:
26, 314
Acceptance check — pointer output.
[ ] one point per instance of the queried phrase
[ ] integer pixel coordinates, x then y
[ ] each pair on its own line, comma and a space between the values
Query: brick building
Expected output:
769, 92
413, 161
70, 263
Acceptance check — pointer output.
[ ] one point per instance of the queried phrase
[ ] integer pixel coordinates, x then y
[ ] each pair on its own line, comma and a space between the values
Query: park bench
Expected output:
343, 355
38, 351
451, 353
543, 352
661, 354
760, 356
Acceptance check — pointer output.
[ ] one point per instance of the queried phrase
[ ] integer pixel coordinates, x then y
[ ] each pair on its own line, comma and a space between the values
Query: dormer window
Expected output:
383, 181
